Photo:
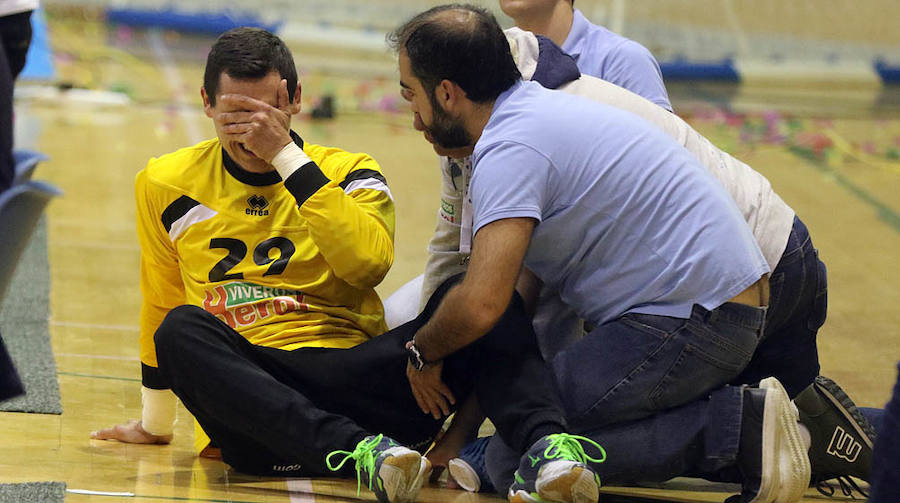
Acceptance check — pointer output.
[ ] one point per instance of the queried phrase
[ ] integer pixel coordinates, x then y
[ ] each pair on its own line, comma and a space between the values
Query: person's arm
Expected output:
162, 289
512, 185
470, 309
473, 307
444, 258
350, 220
468, 417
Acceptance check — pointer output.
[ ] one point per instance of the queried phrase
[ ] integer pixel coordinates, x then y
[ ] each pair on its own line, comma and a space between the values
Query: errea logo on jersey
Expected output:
257, 206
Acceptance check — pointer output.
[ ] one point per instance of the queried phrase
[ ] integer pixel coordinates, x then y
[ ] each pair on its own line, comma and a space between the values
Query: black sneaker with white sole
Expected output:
842, 438
393, 472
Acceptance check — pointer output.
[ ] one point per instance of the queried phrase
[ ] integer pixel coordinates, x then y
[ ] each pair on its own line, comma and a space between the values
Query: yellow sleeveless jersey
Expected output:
286, 264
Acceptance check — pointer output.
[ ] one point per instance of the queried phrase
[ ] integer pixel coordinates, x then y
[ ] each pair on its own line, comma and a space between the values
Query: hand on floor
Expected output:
130, 433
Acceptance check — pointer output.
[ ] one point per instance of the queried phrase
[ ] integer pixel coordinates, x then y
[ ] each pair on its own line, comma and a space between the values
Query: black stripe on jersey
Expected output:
361, 174
248, 177
152, 378
176, 210
304, 182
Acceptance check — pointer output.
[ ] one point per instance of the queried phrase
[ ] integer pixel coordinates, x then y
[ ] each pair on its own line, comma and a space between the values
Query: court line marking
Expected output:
99, 493
301, 490
96, 326
111, 378
144, 496
100, 357
96, 245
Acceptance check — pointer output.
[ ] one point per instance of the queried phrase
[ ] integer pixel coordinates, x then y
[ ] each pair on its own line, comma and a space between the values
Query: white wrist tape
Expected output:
290, 159
158, 417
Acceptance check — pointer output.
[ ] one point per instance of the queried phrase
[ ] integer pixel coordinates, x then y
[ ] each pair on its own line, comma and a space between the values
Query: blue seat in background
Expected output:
21, 207
26, 162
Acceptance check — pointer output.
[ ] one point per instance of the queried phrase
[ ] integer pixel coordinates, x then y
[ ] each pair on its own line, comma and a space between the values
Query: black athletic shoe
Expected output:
841, 436
772, 457
393, 472
554, 470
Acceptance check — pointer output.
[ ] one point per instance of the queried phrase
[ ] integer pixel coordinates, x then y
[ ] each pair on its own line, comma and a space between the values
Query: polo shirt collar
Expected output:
575, 41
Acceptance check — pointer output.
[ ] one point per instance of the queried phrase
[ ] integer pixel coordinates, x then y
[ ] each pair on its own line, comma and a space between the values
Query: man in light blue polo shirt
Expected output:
599, 203
636, 236
598, 51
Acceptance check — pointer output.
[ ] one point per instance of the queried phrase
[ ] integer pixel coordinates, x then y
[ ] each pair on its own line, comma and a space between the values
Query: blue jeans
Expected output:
652, 390
798, 301
886, 458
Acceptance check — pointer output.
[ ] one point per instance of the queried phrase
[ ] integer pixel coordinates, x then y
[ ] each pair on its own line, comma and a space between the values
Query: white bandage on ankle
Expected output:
158, 417
289, 159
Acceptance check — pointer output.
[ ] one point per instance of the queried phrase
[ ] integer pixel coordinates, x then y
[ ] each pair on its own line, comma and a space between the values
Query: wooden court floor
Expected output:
850, 206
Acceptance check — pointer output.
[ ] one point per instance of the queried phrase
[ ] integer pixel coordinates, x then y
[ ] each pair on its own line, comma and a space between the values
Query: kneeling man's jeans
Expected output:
652, 391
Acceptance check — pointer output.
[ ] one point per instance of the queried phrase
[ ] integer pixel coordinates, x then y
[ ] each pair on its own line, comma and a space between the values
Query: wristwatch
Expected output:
415, 357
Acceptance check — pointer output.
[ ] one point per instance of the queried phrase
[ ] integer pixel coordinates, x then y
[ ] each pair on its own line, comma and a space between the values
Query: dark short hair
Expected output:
248, 53
471, 52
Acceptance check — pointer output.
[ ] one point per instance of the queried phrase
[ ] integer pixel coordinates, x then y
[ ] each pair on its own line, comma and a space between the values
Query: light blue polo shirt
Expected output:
614, 58
629, 221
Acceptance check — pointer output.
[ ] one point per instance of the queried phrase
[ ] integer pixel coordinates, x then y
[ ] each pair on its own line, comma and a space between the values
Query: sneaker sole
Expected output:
421, 478
561, 482
769, 477
402, 476
522, 496
831, 391
464, 475
781, 423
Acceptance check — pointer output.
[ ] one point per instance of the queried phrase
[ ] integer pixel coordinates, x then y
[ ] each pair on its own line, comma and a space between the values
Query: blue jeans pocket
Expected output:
707, 361
606, 376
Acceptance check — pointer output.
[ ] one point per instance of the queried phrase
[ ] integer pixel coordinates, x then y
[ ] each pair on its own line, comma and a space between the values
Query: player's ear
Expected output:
207, 107
295, 103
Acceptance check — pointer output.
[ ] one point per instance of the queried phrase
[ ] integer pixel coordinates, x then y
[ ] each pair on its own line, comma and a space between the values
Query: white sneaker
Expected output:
784, 454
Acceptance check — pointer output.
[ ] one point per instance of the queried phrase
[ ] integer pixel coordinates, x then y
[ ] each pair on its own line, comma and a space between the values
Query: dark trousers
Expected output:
886, 458
15, 37
797, 306
275, 412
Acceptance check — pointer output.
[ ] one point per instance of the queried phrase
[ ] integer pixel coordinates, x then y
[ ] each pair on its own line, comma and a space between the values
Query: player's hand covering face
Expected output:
252, 119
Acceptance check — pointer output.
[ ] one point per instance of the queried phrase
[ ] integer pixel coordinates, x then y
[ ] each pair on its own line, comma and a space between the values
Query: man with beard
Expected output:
627, 226
788, 350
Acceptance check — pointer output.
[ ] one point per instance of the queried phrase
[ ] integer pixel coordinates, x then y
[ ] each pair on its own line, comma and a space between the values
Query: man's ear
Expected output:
449, 95
295, 103
207, 108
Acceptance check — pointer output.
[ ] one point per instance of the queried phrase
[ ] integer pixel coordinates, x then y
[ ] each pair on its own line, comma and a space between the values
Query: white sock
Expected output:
804, 432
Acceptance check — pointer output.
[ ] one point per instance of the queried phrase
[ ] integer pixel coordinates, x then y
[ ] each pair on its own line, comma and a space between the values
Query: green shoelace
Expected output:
365, 457
569, 447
